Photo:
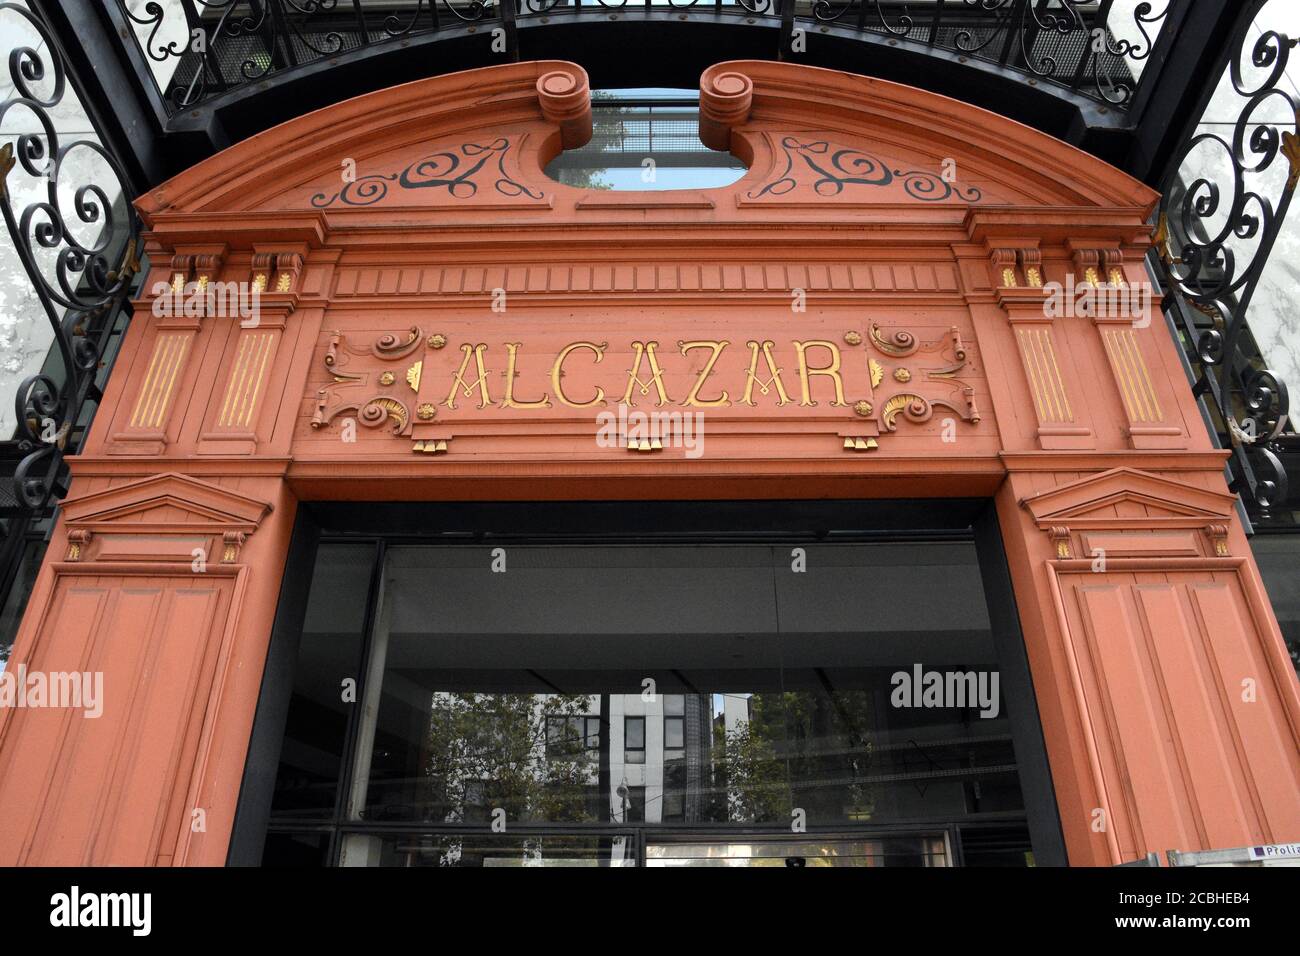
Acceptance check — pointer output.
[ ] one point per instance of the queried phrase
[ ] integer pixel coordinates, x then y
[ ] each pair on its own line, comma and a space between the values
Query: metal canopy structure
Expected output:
189, 77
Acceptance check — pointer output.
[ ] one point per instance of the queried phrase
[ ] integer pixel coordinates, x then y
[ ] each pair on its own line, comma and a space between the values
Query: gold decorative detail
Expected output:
1117, 278
431, 447
1034, 276
7, 162
860, 444
1039, 355
916, 408
1132, 375
283, 282
1063, 548
232, 542
378, 411
76, 541
877, 372
1009, 278
259, 282
437, 341
178, 282
1092, 276
1060, 536
1291, 150
426, 411
413, 375
387, 378
897, 343
1219, 535
246, 380
902, 375
645, 444
1161, 241
155, 394
862, 408
130, 261
853, 338
203, 283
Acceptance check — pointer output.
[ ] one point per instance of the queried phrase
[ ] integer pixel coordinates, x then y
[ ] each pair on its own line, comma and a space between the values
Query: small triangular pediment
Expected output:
169, 502
1126, 497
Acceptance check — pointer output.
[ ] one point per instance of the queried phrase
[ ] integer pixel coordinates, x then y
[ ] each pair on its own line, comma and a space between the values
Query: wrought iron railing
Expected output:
201, 50
1220, 217
77, 242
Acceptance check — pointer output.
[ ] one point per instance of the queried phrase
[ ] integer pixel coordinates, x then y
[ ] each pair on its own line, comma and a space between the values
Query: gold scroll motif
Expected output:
1131, 373
897, 342
911, 404
169, 353
1039, 355
245, 386
355, 392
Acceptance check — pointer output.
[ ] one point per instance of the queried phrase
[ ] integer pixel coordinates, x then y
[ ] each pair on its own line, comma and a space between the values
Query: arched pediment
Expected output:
815, 141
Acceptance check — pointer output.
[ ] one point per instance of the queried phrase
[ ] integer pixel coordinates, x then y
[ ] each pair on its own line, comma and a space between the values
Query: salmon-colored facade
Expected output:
865, 314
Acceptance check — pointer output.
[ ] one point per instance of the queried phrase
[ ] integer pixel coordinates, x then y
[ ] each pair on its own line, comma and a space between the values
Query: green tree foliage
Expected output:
489, 751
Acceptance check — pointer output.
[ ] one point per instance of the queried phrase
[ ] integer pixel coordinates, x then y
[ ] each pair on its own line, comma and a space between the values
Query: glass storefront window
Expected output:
690, 693
329, 654
488, 850
816, 851
742, 691
1278, 557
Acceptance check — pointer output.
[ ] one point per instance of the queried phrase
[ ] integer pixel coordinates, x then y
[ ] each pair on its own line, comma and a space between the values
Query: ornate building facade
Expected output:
911, 324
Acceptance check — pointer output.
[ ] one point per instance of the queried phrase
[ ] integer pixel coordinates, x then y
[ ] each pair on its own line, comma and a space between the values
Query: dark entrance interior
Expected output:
657, 684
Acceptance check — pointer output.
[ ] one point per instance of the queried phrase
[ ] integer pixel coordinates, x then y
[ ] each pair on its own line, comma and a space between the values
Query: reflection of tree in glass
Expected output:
607, 132
488, 752
799, 749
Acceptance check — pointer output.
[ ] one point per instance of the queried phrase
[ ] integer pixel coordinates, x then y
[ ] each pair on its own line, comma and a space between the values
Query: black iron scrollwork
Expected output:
208, 48
90, 279
453, 170
1070, 42
1216, 232
834, 168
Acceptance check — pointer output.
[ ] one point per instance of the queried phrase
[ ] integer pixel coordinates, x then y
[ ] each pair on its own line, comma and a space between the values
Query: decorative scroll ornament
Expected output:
1214, 239
897, 342
455, 170
355, 391
382, 410
832, 168
80, 282
916, 408
911, 404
